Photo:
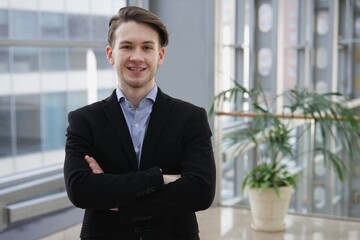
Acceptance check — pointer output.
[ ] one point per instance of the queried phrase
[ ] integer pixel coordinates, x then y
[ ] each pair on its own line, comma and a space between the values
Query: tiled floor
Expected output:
68, 234
233, 223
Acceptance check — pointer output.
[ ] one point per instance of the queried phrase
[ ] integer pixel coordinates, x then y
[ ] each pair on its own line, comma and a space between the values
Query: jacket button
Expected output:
137, 230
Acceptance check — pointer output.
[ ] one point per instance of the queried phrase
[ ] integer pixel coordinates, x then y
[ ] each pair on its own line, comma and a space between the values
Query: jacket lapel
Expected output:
159, 114
116, 118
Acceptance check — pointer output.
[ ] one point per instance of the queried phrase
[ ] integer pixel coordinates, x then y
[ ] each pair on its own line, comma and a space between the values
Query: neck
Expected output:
136, 95
134, 99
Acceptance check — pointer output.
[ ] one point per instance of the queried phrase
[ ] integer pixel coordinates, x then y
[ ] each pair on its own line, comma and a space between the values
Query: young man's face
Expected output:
136, 55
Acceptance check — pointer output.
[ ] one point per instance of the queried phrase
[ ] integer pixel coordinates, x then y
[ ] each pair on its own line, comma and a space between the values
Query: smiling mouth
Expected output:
136, 69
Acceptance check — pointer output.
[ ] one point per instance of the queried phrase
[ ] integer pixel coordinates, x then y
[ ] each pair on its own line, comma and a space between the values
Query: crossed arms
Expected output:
157, 189
95, 168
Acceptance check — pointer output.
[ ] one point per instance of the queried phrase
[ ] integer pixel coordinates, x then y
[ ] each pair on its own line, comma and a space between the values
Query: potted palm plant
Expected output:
271, 177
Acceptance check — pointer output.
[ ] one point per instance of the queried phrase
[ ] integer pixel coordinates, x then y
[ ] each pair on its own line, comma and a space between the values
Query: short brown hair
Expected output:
138, 15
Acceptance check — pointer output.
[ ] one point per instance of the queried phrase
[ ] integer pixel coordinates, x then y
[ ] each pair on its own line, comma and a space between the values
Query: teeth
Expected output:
136, 69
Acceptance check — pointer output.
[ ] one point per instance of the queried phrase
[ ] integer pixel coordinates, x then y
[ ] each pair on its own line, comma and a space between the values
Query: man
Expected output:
140, 162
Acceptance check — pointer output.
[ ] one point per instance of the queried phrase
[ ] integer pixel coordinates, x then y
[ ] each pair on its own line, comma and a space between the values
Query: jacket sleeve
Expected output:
195, 190
99, 191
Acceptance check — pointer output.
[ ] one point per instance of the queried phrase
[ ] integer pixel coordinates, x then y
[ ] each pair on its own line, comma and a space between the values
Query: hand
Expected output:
94, 166
170, 178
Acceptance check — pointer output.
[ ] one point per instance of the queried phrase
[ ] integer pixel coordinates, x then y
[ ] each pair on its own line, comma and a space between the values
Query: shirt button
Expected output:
136, 125
136, 149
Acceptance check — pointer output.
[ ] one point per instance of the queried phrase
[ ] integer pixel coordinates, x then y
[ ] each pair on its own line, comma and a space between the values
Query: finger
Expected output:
96, 171
89, 159
95, 167
92, 163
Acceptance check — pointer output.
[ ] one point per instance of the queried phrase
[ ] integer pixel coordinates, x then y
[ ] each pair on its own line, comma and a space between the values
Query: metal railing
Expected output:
31, 194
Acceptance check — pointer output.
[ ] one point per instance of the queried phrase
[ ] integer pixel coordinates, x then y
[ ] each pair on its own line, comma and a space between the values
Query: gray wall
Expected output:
188, 70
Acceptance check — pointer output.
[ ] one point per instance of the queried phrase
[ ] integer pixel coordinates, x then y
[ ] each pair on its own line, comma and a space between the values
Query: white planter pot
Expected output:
268, 210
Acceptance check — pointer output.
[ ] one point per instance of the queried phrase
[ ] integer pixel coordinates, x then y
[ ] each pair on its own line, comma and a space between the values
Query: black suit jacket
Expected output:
177, 141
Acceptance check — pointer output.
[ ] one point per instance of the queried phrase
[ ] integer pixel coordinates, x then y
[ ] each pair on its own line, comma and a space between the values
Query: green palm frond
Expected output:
333, 120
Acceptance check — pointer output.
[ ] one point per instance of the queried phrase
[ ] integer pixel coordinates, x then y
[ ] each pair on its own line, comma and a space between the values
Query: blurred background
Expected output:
52, 61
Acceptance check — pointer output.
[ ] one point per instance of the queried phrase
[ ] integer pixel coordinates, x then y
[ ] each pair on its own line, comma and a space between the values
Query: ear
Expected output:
109, 55
161, 56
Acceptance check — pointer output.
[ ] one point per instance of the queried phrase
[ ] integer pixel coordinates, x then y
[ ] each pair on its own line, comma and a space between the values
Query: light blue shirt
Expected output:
137, 119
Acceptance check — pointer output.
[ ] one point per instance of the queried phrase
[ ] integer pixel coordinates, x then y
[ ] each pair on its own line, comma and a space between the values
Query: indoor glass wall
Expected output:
279, 45
44, 50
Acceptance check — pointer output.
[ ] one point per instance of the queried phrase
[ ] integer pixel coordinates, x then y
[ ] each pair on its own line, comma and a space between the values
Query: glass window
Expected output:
264, 61
4, 24
357, 26
290, 38
5, 127
78, 26
321, 58
77, 59
25, 59
52, 25
321, 86
4, 60
102, 62
53, 120
53, 59
265, 17
104, 93
100, 26
23, 25
319, 197
76, 99
322, 25
227, 37
27, 114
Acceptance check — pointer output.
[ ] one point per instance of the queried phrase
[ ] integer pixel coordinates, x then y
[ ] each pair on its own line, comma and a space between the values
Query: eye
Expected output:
126, 47
148, 47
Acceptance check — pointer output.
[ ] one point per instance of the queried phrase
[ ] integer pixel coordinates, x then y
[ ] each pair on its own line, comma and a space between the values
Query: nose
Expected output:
137, 55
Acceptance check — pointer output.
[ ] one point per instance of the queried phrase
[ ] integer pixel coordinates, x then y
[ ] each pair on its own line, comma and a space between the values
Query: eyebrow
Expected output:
146, 42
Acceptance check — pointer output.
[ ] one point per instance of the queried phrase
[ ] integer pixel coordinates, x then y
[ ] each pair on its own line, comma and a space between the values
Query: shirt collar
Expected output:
151, 95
